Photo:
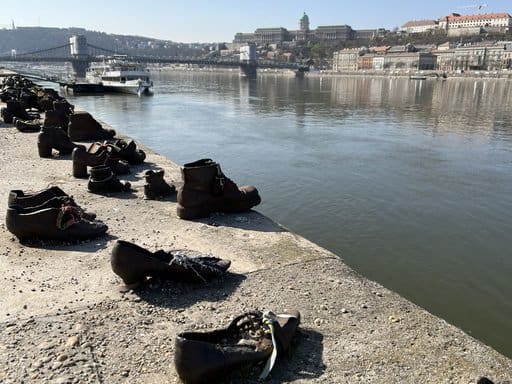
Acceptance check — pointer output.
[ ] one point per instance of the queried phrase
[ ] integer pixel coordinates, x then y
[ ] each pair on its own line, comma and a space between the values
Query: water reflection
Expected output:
409, 181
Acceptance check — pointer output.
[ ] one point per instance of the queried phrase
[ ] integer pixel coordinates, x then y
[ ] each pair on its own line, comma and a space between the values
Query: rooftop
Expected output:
457, 17
419, 23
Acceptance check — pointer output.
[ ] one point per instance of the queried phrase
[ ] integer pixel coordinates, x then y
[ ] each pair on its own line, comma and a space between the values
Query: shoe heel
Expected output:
192, 213
79, 170
148, 192
44, 149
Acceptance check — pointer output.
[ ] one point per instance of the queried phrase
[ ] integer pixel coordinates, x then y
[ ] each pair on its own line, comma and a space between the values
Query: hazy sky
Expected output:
219, 20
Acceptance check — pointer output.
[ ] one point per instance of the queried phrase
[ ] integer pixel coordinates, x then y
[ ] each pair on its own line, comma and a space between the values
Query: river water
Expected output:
410, 182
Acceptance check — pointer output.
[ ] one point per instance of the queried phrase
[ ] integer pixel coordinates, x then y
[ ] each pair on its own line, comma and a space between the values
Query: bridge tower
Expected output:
80, 54
248, 61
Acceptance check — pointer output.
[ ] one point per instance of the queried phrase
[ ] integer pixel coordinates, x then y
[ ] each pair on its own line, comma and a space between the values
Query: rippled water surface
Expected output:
410, 182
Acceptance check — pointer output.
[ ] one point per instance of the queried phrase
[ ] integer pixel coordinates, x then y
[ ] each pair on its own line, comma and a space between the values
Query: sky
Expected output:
219, 20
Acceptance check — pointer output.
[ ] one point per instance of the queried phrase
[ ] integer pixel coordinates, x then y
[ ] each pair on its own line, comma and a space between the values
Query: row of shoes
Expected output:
254, 338
25, 100
118, 155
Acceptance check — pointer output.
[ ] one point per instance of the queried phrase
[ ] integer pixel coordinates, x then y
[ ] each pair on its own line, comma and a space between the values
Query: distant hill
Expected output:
28, 39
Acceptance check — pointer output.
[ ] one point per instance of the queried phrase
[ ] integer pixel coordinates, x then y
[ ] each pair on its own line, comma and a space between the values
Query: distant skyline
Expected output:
219, 20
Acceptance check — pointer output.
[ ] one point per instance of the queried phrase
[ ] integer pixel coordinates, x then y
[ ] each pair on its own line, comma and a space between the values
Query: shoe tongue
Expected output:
163, 256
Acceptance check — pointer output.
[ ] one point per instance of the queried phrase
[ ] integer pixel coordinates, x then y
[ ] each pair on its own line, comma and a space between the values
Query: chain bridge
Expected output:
80, 54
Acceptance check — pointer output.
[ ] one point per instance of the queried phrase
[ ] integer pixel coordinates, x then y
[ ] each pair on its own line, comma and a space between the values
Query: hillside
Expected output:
28, 39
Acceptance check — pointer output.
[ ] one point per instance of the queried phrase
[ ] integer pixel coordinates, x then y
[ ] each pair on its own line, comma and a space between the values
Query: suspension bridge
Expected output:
80, 54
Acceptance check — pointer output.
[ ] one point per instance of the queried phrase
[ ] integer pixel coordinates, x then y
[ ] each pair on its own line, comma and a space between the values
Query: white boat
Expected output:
117, 74
418, 77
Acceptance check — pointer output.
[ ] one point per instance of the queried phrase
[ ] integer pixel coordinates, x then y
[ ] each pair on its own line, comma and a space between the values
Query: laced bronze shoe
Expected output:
134, 264
127, 150
33, 199
52, 222
206, 190
26, 125
251, 338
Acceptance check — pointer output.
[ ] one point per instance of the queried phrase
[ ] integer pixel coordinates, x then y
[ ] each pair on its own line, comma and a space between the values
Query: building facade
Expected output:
243, 38
499, 21
346, 60
368, 34
365, 62
334, 33
409, 61
304, 33
419, 26
270, 35
479, 57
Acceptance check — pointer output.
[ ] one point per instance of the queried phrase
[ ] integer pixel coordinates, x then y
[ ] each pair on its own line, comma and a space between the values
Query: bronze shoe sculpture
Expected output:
53, 222
127, 150
103, 180
156, 187
14, 108
206, 190
83, 127
26, 125
33, 199
134, 264
54, 118
96, 155
251, 338
55, 138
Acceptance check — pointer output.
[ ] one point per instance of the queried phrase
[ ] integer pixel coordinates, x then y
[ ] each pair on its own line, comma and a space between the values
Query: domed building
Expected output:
304, 23
303, 33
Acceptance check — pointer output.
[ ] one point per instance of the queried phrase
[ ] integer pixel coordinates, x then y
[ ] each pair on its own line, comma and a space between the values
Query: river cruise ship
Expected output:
117, 74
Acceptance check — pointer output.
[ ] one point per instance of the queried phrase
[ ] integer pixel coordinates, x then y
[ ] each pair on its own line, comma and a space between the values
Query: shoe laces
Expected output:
198, 265
68, 215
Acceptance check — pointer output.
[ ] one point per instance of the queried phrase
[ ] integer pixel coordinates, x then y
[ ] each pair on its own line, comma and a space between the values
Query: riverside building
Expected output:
486, 56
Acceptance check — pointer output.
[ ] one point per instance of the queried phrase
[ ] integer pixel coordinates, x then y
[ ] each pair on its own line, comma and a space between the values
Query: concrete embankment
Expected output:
63, 320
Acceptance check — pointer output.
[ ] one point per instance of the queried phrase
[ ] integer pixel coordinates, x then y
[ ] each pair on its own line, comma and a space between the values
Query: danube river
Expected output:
410, 182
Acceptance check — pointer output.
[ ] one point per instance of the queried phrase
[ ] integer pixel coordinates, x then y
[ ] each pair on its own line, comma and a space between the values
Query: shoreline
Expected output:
430, 74
63, 320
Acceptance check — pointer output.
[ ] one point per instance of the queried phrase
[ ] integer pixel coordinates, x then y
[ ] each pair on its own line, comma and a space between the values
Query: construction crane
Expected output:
474, 6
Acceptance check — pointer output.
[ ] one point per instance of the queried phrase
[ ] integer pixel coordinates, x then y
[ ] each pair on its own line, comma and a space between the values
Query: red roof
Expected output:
454, 17
418, 23
380, 48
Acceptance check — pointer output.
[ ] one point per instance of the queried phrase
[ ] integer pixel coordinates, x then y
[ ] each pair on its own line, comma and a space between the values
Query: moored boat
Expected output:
418, 77
117, 74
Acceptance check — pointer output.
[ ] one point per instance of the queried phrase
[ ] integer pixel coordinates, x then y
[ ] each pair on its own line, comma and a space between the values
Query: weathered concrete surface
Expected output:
63, 320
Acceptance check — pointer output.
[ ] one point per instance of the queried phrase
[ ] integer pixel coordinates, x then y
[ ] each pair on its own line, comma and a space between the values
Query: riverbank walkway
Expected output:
63, 319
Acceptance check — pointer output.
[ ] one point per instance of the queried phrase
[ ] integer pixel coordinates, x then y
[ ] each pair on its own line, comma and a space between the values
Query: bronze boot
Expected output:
206, 190
54, 138
94, 156
103, 180
83, 127
156, 187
